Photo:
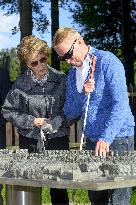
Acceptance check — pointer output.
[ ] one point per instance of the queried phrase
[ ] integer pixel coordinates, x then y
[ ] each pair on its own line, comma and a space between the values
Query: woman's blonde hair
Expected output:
62, 34
31, 44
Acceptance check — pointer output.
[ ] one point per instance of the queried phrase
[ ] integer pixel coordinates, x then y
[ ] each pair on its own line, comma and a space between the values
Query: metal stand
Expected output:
23, 195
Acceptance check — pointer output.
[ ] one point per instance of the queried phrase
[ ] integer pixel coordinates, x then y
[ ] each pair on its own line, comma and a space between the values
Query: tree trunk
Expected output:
26, 24
54, 26
127, 47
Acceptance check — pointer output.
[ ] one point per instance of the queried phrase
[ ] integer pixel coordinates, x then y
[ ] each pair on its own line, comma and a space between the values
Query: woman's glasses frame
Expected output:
35, 63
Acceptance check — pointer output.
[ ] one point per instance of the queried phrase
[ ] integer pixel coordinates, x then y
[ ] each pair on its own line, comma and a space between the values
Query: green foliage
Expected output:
79, 196
133, 196
15, 70
0, 64
76, 196
3, 193
40, 21
46, 195
64, 66
100, 22
93, 20
14, 66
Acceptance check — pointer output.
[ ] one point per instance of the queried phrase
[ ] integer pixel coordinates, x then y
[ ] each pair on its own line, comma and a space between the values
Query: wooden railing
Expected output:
12, 137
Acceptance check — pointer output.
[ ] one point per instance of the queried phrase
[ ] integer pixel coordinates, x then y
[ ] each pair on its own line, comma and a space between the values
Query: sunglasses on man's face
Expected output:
35, 63
69, 54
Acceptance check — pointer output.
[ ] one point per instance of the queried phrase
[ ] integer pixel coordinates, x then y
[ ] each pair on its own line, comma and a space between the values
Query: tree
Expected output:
97, 22
25, 11
26, 8
127, 41
25, 23
100, 23
54, 27
12, 64
39, 19
15, 70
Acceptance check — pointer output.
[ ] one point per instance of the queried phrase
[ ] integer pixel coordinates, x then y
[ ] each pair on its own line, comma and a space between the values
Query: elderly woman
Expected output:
35, 104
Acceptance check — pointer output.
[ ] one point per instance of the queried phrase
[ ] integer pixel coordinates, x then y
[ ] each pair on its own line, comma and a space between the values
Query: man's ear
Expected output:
80, 40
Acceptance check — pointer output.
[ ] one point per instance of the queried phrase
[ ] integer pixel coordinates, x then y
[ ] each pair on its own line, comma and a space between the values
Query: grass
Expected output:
78, 196
133, 196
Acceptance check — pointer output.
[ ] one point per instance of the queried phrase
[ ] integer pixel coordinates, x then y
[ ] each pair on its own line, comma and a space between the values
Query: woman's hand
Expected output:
38, 122
89, 86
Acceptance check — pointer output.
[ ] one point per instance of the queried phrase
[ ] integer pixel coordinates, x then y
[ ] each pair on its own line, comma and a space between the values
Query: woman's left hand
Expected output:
89, 86
38, 122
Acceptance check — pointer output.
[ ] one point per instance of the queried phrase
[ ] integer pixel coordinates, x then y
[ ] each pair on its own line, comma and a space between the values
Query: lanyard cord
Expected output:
92, 70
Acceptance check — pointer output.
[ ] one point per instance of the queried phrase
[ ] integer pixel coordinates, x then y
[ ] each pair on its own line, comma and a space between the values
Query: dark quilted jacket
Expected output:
28, 99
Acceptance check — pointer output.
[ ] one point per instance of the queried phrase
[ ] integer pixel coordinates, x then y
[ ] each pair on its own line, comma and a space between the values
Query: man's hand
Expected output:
38, 122
102, 148
89, 86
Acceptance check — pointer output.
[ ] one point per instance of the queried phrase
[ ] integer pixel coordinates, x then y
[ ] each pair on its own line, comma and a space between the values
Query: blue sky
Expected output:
7, 40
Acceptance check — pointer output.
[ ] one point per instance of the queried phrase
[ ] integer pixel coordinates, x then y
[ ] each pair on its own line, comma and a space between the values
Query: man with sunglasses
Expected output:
109, 121
35, 105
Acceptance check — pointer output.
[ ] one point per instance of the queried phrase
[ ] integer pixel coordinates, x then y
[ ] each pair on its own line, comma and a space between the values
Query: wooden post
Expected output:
8, 134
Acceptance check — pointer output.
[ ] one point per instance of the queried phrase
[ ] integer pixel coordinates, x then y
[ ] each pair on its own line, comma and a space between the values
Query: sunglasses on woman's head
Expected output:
35, 63
69, 54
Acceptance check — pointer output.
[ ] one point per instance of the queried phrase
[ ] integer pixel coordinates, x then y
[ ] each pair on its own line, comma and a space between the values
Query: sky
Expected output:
7, 40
